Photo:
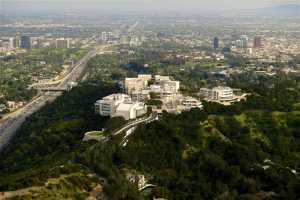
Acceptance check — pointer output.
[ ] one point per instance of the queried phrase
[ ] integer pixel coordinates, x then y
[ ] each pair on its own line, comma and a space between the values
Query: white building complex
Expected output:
220, 94
120, 105
132, 104
166, 90
139, 88
191, 102
131, 110
135, 85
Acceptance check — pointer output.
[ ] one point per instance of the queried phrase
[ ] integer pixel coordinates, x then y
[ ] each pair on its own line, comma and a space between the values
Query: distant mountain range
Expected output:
290, 9
286, 9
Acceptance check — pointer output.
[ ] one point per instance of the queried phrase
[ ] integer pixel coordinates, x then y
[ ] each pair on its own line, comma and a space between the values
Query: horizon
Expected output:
90, 7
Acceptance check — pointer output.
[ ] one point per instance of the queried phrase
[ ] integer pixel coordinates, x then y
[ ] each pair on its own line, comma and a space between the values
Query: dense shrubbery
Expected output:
53, 133
222, 156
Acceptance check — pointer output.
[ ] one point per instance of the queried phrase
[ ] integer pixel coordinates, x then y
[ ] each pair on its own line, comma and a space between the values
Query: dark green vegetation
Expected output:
200, 156
52, 137
220, 152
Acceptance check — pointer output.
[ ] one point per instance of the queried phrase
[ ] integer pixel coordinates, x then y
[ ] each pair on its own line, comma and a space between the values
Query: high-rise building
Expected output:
109, 36
104, 37
257, 42
25, 42
62, 43
244, 41
17, 42
216, 43
7, 43
238, 44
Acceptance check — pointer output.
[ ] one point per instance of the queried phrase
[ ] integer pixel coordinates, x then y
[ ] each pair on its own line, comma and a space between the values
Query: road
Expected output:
12, 122
130, 125
130, 128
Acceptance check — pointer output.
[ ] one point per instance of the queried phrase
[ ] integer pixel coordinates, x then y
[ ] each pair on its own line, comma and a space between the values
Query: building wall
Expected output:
134, 85
119, 105
62, 43
127, 115
108, 105
221, 94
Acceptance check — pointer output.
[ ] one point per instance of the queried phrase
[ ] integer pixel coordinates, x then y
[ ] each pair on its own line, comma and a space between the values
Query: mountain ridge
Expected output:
285, 9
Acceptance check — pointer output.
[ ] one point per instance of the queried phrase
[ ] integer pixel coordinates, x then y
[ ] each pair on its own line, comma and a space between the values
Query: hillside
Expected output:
238, 152
76, 185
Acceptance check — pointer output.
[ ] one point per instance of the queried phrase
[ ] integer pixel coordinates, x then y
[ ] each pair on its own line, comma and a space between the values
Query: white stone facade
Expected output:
120, 105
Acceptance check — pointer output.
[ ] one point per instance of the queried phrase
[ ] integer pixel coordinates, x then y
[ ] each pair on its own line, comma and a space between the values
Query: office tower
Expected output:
62, 43
110, 36
238, 44
244, 41
104, 37
25, 42
216, 43
17, 42
257, 42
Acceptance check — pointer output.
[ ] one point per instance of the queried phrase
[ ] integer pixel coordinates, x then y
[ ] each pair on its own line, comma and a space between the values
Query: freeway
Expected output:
12, 122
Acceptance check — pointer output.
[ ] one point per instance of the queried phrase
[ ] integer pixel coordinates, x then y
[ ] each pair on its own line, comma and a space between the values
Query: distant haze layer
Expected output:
133, 6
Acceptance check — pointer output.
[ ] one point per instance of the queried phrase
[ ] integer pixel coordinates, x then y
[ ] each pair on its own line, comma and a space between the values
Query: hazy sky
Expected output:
139, 5
210, 4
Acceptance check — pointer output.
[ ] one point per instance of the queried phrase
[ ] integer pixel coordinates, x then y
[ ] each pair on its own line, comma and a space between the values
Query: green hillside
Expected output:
237, 152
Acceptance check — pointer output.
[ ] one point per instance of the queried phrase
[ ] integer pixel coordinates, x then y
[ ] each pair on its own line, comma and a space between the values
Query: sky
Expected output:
137, 5
207, 4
